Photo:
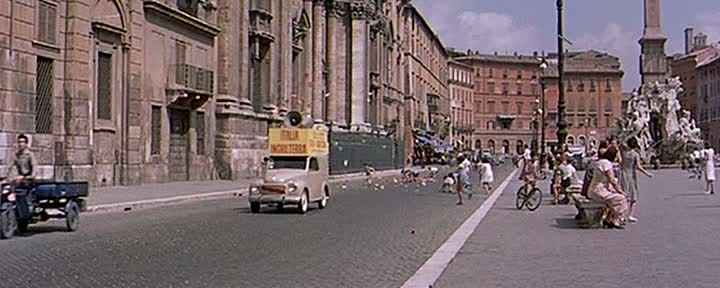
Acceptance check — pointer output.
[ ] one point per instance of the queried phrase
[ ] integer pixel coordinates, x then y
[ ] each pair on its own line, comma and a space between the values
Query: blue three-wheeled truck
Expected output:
43, 200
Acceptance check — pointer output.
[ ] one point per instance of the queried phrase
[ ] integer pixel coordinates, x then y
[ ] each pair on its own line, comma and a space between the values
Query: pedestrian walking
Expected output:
709, 157
630, 166
599, 190
487, 177
463, 182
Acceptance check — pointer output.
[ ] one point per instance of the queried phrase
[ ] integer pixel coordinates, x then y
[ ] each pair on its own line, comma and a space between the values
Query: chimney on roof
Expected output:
689, 47
535, 54
495, 53
700, 41
515, 53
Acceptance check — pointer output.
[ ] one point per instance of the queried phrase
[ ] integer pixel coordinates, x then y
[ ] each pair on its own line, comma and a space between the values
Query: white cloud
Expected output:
482, 31
489, 31
617, 41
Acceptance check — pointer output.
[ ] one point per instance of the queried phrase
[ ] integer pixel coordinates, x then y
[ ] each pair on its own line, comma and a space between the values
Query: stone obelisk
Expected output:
653, 61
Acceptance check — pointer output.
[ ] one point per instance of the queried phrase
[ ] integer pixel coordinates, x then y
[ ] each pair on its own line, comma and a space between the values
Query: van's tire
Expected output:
326, 195
255, 207
303, 204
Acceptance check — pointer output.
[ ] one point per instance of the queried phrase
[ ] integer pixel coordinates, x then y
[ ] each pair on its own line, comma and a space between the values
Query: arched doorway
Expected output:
506, 147
570, 140
519, 147
478, 144
491, 146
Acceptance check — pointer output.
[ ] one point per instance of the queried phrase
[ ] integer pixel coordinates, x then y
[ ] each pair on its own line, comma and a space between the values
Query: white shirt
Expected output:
567, 171
527, 154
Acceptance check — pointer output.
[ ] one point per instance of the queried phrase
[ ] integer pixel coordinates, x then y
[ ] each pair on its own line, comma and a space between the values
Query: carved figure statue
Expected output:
656, 118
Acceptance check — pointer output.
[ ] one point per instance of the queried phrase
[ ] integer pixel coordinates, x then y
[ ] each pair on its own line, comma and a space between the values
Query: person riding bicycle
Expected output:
530, 169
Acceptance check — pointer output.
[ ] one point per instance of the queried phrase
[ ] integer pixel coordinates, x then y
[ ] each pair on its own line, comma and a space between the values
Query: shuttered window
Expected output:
43, 98
200, 131
104, 86
46, 25
156, 131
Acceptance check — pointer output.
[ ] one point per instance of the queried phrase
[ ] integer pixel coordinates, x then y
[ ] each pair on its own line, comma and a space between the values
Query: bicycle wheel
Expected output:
534, 199
521, 197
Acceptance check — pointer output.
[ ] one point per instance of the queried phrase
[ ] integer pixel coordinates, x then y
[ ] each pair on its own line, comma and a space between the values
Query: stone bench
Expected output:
590, 214
570, 194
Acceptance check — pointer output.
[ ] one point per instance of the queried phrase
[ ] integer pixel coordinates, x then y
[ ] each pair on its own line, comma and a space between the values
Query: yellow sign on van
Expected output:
297, 142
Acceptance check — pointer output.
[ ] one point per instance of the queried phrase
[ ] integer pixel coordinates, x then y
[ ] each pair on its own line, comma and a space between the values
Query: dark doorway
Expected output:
179, 126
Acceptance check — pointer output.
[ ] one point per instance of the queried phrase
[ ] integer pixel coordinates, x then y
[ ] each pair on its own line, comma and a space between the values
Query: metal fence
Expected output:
349, 151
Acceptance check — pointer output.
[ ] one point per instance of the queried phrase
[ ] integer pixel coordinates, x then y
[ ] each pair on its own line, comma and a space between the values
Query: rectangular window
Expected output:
180, 60
490, 73
104, 86
592, 85
491, 88
534, 89
156, 131
491, 106
519, 75
506, 108
505, 89
43, 94
608, 88
46, 28
200, 132
519, 89
519, 108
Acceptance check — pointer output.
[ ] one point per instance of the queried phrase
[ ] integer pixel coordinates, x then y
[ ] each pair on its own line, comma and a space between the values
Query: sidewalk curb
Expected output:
161, 202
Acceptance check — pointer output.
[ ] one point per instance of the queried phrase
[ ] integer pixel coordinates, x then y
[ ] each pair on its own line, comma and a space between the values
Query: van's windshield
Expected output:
287, 163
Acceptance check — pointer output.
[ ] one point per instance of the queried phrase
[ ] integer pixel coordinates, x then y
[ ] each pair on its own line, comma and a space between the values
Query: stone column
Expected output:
307, 90
228, 58
244, 54
359, 72
317, 51
332, 19
285, 49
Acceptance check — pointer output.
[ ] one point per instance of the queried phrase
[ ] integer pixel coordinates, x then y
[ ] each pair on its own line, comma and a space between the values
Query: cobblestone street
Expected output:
363, 239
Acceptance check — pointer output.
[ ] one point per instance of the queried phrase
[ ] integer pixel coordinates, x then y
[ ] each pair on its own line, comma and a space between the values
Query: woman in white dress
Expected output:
709, 157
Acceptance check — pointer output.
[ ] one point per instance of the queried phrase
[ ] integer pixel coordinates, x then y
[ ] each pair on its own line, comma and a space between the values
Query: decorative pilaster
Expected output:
359, 71
318, 66
332, 13
244, 53
228, 60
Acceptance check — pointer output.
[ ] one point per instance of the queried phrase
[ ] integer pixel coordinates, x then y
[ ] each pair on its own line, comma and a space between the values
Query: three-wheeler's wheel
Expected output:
22, 226
8, 224
255, 207
72, 216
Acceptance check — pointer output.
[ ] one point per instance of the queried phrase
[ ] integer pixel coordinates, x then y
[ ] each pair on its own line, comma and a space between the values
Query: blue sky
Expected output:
525, 26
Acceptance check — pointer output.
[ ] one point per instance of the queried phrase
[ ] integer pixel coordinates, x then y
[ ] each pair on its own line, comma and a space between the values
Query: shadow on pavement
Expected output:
43, 229
566, 223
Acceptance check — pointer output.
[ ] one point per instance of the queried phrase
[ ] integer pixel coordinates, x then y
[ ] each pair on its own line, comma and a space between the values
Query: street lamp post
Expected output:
561, 124
587, 136
534, 143
543, 67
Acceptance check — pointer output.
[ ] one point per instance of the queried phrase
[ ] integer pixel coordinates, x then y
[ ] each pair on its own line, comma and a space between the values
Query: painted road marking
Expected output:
434, 267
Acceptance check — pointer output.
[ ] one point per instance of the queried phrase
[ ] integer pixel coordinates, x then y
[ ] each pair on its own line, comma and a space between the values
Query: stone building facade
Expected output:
506, 88
460, 86
708, 85
425, 76
593, 97
684, 66
121, 92
110, 91
335, 61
